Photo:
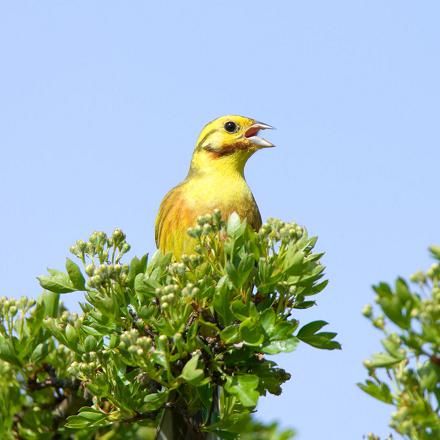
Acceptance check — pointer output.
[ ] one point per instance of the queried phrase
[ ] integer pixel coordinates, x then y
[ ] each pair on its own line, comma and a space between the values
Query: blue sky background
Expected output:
101, 103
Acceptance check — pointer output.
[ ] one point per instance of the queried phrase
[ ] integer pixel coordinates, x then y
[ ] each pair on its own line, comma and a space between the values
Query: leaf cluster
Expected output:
189, 335
407, 373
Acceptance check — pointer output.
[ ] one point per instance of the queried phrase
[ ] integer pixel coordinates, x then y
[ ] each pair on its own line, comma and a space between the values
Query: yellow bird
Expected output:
215, 180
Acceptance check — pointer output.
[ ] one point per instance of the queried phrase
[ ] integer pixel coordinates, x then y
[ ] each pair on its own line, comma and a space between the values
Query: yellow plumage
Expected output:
215, 180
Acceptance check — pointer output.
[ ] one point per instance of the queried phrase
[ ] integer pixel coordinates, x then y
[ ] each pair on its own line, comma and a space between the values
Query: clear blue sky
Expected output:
101, 103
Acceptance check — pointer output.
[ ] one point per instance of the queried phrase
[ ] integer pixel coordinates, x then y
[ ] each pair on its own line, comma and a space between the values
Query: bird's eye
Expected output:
231, 127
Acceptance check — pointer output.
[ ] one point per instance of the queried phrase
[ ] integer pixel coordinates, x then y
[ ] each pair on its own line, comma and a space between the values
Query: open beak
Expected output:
251, 135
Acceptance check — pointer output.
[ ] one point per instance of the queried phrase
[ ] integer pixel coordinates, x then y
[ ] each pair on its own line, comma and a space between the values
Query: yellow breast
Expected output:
199, 195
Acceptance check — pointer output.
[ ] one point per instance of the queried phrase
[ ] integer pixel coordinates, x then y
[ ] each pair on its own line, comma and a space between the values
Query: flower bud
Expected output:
418, 277
367, 311
125, 248
95, 281
379, 322
90, 269
117, 268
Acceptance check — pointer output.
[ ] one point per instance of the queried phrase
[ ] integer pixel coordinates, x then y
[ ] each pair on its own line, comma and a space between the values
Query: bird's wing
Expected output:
165, 207
172, 222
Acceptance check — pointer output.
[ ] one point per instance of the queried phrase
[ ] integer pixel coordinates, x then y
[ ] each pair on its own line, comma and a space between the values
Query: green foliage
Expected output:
407, 373
190, 335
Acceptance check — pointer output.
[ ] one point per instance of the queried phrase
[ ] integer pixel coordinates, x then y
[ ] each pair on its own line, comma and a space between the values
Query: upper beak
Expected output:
252, 131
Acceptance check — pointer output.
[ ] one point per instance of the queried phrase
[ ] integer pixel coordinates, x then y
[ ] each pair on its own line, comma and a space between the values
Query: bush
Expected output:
407, 374
191, 337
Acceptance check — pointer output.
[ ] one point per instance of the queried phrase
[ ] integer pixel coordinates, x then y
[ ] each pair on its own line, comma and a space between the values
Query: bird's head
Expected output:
228, 141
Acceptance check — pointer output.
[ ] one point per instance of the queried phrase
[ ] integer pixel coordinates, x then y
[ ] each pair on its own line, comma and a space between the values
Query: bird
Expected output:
215, 180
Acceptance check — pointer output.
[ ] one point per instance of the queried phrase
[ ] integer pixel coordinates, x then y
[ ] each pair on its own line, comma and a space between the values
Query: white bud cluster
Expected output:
136, 345
11, 306
277, 230
106, 273
207, 224
101, 246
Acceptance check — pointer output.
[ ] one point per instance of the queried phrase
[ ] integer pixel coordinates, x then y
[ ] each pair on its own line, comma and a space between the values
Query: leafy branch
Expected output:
407, 373
189, 336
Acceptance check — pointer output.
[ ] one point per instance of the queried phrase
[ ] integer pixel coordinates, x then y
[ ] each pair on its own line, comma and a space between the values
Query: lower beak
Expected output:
251, 135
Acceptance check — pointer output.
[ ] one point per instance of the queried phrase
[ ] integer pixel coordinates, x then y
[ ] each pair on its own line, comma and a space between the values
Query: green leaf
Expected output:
51, 301
232, 273
40, 352
435, 251
321, 342
234, 224
145, 285
90, 343
114, 340
304, 304
267, 321
380, 392
283, 346
283, 330
71, 334
383, 360
155, 401
391, 347
58, 282
244, 386
395, 305
243, 310
91, 330
245, 268
137, 266
316, 288
7, 353
191, 373
251, 332
402, 290
429, 376
293, 261
230, 334
221, 301
75, 275
271, 377
88, 418
311, 328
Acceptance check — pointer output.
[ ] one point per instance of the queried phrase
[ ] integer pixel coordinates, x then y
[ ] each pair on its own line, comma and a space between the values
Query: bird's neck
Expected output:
210, 163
